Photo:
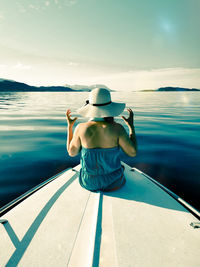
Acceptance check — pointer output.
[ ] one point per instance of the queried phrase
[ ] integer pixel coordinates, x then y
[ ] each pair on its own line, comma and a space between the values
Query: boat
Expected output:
58, 223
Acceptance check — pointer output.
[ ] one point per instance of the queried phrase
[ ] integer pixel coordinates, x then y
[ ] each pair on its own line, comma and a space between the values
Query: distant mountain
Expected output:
176, 89
86, 87
10, 85
13, 86
171, 89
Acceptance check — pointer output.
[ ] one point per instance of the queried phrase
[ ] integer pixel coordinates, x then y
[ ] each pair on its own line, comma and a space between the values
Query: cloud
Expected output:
36, 7
2, 66
151, 79
70, 2
2, 16
18, 66
21, 66
73, 64
20, 7
52, 71
43, 5
47, 3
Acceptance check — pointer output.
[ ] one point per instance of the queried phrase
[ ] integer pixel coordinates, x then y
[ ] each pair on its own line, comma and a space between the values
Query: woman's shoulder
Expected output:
115, 127
82, 126
85, 124
118, 126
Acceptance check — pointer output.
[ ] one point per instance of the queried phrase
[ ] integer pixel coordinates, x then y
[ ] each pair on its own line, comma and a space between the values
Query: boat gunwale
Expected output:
10, 205
184, 203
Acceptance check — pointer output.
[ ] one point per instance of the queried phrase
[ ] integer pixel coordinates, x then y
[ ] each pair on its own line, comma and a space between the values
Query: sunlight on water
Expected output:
185, 99
29, 128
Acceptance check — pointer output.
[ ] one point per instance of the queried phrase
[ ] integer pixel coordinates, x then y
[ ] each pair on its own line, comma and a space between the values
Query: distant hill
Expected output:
13, 86
86, 87
9, 85
171, 89
176, 89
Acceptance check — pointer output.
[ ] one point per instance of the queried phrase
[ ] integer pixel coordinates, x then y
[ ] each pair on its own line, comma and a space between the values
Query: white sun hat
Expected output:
100, 105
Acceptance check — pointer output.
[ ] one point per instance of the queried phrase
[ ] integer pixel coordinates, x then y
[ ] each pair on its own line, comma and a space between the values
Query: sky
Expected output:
125, 44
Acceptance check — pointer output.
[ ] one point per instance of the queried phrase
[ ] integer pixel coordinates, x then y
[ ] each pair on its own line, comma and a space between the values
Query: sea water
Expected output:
33, 133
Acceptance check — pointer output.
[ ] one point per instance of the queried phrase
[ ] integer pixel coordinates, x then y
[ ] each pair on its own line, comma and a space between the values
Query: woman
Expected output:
99, 140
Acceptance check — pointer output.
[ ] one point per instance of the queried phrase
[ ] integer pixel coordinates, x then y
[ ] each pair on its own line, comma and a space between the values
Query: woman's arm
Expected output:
73, 141
128, 143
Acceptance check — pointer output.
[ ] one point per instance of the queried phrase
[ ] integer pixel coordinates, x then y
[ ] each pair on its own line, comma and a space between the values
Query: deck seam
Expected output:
97, 240
77, 233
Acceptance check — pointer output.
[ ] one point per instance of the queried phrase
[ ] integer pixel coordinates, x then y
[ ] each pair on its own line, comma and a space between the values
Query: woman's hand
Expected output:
70, 121
129, 120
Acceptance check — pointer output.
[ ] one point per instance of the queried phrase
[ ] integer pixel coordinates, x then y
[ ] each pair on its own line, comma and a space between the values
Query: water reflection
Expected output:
33, 138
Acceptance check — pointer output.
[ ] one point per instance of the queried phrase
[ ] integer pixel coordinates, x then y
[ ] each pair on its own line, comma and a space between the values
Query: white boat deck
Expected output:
63, 224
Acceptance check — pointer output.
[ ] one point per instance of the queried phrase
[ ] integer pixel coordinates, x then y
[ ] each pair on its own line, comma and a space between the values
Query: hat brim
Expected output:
111, 110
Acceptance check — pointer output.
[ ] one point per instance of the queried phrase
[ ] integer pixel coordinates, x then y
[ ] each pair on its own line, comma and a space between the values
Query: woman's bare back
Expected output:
99, 134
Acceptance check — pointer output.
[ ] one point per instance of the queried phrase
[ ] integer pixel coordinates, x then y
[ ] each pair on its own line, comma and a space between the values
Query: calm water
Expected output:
33, 139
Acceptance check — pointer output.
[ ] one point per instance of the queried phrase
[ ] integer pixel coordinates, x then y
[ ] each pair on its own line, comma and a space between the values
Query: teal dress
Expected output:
101, 169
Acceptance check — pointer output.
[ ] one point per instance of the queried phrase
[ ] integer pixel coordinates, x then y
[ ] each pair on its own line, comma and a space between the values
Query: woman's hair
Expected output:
109, 119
